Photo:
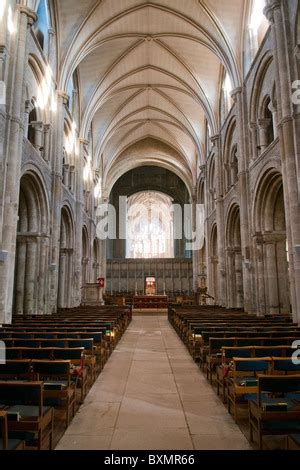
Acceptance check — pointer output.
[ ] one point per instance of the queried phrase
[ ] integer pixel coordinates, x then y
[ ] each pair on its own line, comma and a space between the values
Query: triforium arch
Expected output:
66, 263
272, 278
234, 258
32, 250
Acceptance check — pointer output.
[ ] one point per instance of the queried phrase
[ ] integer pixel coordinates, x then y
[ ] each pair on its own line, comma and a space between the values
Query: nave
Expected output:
151, 395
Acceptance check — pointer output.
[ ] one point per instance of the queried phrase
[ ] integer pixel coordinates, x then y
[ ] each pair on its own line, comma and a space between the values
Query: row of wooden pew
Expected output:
47, 364
252, 361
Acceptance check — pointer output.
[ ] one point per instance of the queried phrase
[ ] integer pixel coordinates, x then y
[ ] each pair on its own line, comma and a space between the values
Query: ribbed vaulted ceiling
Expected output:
150, 71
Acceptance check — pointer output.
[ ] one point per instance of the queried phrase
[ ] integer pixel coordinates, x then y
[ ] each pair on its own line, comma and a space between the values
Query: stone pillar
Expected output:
66, 174
14, 139
239, 301
102, 250
264, 125
72, 178
271, 274
30, 290
3, 131
275, 12
260, 290
220, 222
46, 151
70, 288
230, 277
195, 250
254, 139
272, 107
20, 275
62, 278
28, 108
62, 100
38, 127
42, 276
243, 160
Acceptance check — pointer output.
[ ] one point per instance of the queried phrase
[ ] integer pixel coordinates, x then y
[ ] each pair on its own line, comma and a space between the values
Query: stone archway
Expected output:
234, 259
32, 251
271, 246
66, 265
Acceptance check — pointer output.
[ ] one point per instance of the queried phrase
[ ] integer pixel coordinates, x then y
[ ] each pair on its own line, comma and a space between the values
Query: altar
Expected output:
150, 302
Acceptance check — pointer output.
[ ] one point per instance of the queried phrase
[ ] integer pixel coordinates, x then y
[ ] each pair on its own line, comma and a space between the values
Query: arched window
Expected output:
150, 226
266, 125
267, 114
226, 100
258, 25
42, 25
234, 166
208, 136
31, 131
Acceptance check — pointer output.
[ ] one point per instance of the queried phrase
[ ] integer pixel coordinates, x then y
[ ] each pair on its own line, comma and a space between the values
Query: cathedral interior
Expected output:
150, 223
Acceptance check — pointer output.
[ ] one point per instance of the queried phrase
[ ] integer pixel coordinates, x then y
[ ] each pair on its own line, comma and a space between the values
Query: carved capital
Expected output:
63, 96
270, 9
235, 93
31, 15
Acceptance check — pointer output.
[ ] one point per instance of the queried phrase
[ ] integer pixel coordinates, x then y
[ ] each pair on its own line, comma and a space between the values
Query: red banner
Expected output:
101, 281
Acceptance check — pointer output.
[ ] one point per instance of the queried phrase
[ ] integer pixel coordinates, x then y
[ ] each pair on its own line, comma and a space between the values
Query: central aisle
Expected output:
151, 395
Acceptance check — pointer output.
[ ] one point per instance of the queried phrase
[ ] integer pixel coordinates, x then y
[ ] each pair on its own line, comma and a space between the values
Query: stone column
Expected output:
275, 12
70, 288
30, 290
46, 151
14, 139
38, 127
260, 290
20, 275
72, 178
283, 277
230, 277
195, 250
273, 109
243, 179
102, 252
43, 274
254, 140
264, 124
62, 100
220, 222
62, 278
239, 301
3, 131
28, 108
66, 174
271, 273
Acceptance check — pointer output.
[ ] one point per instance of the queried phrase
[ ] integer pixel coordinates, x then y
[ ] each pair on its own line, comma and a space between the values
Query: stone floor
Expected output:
151, 395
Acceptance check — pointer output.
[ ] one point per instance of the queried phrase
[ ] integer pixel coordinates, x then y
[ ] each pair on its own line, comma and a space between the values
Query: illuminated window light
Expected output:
10, 21
97, 190
53, 103
44, 90
2, 9
257, 16
87, 171
227, 85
